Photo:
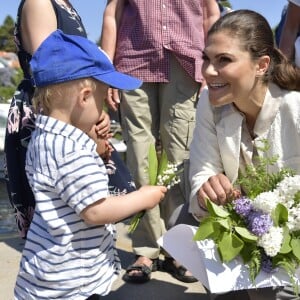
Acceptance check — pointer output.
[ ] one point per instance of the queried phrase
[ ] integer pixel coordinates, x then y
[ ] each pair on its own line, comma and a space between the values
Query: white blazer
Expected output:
216, 143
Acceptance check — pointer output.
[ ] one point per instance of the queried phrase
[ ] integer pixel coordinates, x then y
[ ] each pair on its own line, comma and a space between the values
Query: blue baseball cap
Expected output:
62, 57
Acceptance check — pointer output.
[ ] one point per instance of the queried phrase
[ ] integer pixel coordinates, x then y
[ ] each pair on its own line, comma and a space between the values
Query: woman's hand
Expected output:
218, 189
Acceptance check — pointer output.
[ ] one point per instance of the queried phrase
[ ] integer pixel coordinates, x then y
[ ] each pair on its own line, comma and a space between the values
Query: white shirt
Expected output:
63, 256
218, 136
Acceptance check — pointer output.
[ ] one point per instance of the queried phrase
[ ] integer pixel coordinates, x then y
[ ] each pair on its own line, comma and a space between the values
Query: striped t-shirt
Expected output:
63, 256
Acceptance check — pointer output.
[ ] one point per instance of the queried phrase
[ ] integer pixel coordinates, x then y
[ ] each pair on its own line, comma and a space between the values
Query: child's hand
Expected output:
103, 126
104, 148
106, 154
93, 134
152, 195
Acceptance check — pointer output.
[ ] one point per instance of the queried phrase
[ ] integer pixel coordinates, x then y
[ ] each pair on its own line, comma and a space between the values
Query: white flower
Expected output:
169, 176
271, 241
294, 218
287, 189
266, 202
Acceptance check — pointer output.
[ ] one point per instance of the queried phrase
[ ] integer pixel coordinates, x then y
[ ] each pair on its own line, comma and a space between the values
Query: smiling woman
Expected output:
229, 71
252, 95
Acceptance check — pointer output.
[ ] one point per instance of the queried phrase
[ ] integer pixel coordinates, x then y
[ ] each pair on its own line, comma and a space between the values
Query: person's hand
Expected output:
218, 189
102, 127
152, 194
104, 148
106, 152
113, 99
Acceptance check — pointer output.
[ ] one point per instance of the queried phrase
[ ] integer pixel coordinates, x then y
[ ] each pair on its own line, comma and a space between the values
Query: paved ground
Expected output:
162, 286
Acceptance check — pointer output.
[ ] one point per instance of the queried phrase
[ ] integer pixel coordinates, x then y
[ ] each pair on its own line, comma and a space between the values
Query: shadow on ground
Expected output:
161, 286
152, 290
16, 243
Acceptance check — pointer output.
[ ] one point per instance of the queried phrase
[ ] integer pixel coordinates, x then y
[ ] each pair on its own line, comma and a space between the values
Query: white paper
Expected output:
202, 259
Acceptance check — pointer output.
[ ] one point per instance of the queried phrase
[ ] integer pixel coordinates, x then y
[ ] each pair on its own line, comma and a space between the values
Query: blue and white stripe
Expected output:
63, 256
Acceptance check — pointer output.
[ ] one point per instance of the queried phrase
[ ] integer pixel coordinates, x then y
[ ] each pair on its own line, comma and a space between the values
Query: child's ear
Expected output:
84, 95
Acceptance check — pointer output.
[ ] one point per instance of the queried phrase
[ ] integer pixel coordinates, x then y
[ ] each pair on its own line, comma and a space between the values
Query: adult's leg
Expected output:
140, 123
20, 124
177, 101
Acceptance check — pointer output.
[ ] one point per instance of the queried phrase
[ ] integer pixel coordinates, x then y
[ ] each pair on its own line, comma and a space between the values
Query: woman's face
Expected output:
230, 73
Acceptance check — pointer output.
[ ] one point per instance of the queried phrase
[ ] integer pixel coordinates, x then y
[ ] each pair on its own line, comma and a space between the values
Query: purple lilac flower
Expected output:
266, 264
259, 223
242, 206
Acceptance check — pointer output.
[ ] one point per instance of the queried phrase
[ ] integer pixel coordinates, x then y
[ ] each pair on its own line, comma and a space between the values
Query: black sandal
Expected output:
144, 272
177, 272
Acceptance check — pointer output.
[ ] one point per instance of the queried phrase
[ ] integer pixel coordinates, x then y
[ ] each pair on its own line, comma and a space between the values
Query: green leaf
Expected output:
286, 247
247, 252
224, 223
205, 230
295, 243
152, 164
297, 198
290, 269
280, 214
216, 210
245, 234
163, 162
229, 246
254, 264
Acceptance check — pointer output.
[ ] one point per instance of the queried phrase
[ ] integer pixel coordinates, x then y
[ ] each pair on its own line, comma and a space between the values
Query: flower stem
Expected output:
134, 222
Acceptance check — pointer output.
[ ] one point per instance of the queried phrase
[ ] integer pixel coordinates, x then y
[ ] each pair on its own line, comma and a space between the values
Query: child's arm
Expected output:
116, 208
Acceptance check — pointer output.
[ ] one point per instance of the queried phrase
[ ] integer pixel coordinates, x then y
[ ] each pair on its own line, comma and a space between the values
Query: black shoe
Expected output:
179, 272
144, 272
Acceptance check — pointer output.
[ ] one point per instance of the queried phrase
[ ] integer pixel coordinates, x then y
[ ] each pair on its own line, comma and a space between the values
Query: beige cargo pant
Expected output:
165, 112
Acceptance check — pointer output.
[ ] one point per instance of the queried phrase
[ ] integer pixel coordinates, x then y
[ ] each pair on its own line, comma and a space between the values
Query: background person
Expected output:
35, 21
160, 43
290, 31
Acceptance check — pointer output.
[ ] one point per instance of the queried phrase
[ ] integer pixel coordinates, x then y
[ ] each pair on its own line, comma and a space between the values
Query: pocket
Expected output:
183, 125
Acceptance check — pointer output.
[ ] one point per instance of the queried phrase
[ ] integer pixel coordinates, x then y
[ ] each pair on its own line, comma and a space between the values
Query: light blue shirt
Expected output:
63, 256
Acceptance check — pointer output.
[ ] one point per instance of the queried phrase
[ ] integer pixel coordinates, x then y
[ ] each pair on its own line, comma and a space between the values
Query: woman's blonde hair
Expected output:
45, 98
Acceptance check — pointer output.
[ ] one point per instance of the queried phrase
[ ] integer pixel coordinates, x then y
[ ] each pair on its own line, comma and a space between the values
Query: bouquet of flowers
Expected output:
263, 227
161, 172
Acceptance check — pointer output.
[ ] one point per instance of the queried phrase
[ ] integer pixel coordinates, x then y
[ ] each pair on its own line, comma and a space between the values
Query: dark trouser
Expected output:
93, 297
